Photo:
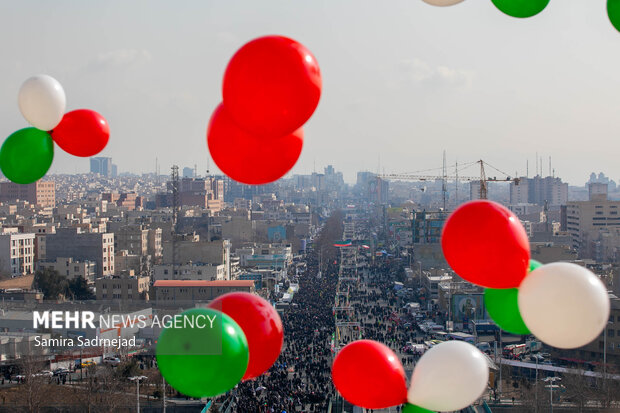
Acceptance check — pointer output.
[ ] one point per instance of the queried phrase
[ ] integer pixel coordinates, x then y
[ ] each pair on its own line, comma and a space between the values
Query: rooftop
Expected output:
24, 282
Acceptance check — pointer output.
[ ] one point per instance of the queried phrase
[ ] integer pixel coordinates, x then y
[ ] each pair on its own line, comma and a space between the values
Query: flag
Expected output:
366, 247
346, 243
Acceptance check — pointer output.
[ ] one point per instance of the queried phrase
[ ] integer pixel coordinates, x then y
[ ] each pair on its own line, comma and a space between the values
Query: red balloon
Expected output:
369, 374
272, 85
262, 327
82, 132
247, 158
486, 244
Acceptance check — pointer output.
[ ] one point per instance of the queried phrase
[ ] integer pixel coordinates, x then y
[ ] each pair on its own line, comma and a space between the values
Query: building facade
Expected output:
72, 242
17, 253
124, 288
539, 190
40, 193
101, 165
188, 292
586, 219
71, 269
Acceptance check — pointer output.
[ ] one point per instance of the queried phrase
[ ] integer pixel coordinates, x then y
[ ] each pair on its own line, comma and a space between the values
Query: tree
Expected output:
128, 369
79, 289
578, 388
34, 390
51, 283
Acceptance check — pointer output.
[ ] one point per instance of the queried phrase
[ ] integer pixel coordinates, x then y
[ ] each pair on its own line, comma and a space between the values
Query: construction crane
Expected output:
483, 192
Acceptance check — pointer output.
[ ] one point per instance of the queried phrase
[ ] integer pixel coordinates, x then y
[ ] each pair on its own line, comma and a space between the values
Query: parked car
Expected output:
112, 361
88, 363
61, 371
44, 373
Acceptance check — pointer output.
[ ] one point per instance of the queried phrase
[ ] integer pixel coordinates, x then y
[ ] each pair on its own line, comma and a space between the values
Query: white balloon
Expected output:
442, 3
449, 376
563, 304
42, 101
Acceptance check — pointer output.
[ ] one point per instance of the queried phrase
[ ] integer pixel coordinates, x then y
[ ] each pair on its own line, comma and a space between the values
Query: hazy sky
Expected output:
402, 80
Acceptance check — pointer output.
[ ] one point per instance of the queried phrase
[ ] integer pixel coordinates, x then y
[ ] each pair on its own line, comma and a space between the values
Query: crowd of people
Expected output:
300, 380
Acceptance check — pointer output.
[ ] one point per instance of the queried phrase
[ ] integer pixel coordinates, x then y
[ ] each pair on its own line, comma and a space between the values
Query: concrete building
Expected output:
266, 256
585, 219
188, 292
128, 200
431, 280
192, 271
548, 252
72, 242
205, 193
71, 268
123, 261
427, 226
126, 287
40, 193
378, 190
196, 251
538, 190
16, 252
132, 238
155, 246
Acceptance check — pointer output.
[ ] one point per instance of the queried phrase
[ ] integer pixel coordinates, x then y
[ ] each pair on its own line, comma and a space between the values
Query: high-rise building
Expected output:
188, 173
363, 177
378, 190
539, 190
101, 165
474, 190
40, 193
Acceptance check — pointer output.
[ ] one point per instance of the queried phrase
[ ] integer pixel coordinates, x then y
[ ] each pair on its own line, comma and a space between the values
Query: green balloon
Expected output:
502, 306
26, 155
613, 11
202, 361
533, 265
521, 8
412, 408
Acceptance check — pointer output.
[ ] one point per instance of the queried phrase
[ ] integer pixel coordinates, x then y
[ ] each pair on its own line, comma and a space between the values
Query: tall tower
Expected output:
175, 215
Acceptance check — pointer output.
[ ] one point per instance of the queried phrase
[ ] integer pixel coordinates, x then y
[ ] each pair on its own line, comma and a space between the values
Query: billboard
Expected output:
276, 234
467, 307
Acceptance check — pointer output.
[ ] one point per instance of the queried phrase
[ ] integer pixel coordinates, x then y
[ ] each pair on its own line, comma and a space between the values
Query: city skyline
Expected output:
401, 82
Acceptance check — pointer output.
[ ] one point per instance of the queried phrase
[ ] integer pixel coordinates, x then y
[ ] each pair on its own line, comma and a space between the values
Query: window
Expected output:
610, 333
